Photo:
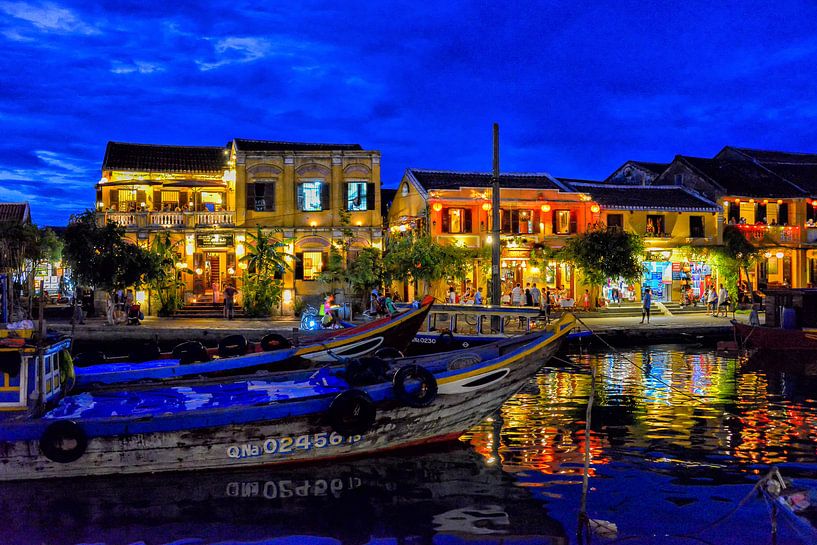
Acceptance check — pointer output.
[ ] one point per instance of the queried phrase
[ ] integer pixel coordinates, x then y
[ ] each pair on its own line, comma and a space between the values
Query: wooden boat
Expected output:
387, 334
455, 327
332, 413
790, 323
798, 504
416, 496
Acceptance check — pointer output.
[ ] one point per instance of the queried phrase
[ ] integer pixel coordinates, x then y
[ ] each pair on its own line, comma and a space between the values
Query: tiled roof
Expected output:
570, 181
14, 212
157, 158
798, 168
649, 197
743, 178
270, 145
655, 168
449, 179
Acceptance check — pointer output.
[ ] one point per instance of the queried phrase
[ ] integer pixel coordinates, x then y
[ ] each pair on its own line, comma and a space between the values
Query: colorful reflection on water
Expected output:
677, 437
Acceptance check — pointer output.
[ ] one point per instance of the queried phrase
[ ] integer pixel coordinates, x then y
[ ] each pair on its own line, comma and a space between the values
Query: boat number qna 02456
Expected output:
287, 445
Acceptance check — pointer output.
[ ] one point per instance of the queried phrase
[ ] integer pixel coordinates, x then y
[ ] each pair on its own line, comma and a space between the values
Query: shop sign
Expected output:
517, 254
214, 240
676, 267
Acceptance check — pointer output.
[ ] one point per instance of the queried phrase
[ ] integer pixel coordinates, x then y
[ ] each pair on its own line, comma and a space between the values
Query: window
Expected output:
679, 179
696, 227
404, 189
456, 220
359, 196
517, 221
615, 222
811, 210
563, 222
313, 196
261, 196
655, 225
313, 265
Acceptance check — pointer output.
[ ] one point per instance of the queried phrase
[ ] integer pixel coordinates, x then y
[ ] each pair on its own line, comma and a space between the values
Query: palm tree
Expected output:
265, 256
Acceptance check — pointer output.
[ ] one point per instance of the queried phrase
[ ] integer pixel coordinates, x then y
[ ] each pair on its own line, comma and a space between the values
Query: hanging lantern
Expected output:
779, 201
779, 255
751, 201
486, 206
737, 201
595, 208
437, 206
545, 208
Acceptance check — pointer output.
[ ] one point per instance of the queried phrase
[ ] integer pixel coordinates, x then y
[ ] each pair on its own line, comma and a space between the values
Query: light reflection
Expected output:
672, 405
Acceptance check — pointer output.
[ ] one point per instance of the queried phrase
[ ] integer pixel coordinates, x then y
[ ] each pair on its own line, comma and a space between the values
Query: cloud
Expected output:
233, 49
140, 67
48, 17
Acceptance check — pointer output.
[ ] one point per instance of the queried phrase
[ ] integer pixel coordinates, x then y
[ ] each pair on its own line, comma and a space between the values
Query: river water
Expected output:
679, 438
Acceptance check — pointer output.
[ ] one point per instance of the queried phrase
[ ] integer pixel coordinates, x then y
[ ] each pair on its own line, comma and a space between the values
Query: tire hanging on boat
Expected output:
352, 413
421, 394
232, 345
63, 442
446, 339
274, 341
191, 352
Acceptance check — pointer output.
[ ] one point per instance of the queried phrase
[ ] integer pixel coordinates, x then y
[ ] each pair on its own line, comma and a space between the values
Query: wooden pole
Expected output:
496, 285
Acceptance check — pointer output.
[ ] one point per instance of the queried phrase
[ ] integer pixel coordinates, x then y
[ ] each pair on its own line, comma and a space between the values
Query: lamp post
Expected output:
496, 286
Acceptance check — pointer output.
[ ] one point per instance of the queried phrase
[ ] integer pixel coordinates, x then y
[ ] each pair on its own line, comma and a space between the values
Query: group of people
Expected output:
717, 300
468, 298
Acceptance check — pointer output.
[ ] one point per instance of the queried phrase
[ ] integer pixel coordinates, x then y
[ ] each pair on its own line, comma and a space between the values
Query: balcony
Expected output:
167, 220
772, 233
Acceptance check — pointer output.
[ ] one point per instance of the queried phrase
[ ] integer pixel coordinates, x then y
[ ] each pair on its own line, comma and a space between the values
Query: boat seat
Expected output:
463, 361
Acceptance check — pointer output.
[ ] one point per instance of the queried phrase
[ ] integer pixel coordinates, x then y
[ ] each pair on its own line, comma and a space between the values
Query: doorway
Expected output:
212, 275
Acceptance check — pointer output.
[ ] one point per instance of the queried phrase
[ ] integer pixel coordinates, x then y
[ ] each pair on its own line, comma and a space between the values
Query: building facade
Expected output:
307, 196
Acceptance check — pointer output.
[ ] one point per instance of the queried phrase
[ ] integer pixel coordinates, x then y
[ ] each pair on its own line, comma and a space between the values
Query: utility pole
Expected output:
496, 285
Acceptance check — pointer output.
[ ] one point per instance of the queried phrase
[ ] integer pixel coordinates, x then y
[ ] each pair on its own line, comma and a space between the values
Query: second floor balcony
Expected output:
779, 234
168, 220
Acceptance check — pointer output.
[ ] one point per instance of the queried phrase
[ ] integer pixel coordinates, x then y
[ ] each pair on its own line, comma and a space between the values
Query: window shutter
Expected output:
114, 193
346, 196
182, 198
370, 196
299, 265
299, 197
446, 217
251, 197
554, 222
324, 260
573, 222
506, 220
140, 198
466, 223
269, 197
325, 205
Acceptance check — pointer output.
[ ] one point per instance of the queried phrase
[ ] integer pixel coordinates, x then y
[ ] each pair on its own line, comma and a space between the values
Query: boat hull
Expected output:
280, 433
775, 339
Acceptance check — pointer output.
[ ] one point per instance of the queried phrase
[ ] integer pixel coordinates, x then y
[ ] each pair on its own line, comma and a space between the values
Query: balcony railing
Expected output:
167, 220
775, 233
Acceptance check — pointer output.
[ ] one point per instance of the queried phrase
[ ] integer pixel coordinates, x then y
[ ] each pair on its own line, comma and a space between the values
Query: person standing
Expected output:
478, 297
711, 300
516, 295
452, 295
723, 301
646, 302
537, 296
229, 301
586, 300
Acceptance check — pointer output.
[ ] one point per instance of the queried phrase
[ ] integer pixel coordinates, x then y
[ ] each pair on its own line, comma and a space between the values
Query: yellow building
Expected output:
209, 198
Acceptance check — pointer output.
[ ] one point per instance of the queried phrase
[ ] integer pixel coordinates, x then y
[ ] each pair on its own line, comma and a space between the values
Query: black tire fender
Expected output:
232, 345
89, 358
63, 441
446, 338
190, 352
352, 412
423, 395
274, 341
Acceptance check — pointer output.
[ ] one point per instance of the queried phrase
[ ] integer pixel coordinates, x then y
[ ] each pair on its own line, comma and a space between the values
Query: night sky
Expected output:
577, 87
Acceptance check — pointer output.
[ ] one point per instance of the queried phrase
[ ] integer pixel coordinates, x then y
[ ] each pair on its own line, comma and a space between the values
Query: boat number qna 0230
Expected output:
287, 445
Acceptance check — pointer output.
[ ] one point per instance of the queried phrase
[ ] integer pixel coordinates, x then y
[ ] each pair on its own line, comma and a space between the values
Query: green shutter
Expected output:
299, 265
370, 196
325, 196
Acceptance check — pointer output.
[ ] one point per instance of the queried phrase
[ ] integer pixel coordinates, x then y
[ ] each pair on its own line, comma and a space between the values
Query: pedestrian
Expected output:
229, 301
452, 295
78, 316
645, 305
537, 296
586, 300
711, 300
723, 301
478, 297
516, 295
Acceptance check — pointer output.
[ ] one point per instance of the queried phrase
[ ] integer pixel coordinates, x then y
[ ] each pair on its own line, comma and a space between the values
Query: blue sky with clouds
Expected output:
577, 87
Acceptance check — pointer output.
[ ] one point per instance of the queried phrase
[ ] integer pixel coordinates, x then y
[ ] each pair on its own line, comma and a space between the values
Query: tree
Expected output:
266, 263
418, 258
101, 258
736, 255
167, 283
366, 272
603, 253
